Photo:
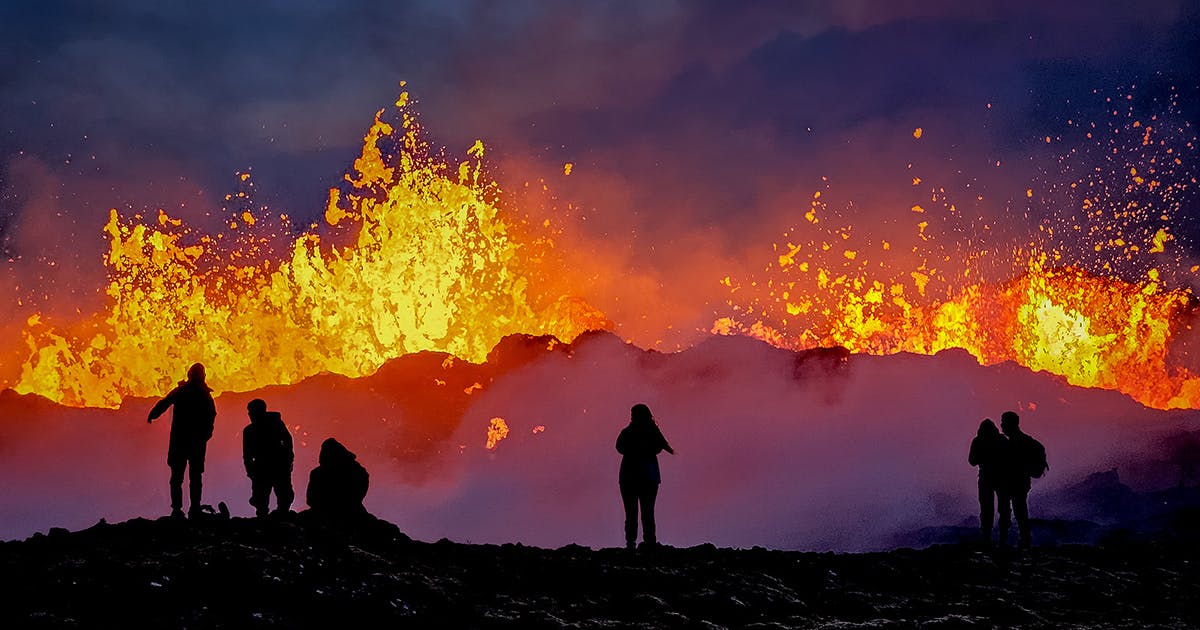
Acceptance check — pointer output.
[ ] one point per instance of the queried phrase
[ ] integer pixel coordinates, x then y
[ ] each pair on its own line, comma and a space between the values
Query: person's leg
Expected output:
260, 493
284, 495
629, 497
987, 508
1020, 504
177, 487
1005, 514
196, 478
647, 496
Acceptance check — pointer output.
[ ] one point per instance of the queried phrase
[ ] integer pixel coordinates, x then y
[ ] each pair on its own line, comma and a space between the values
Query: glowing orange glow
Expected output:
1126, 331
417, 254
497, 430
1095, 331
431, 264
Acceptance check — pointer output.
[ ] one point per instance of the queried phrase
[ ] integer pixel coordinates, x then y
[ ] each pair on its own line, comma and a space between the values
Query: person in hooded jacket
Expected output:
639, 444
268, 456
988, 453
192, 421
338, 485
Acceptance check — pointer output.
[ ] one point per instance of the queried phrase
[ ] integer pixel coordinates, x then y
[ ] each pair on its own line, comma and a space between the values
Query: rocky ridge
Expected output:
297, 572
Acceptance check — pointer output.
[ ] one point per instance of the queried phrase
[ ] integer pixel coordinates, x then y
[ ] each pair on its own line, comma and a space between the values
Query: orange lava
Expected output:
432, 264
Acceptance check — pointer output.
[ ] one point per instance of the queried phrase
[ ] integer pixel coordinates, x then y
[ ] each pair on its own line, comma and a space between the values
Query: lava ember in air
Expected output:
1085, 298
497, 430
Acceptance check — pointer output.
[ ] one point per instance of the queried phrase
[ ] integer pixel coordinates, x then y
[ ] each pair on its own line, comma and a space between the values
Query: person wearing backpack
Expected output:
1026, 460
268, 456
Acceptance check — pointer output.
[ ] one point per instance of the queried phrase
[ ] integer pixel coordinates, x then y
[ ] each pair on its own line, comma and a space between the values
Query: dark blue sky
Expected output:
708, 116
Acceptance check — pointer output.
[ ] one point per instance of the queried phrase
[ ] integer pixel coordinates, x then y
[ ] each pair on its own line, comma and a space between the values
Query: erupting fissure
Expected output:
1058, 305
419, 255
435, 265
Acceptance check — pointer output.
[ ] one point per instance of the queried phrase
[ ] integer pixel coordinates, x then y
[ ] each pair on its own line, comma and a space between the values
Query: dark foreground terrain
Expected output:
295, 572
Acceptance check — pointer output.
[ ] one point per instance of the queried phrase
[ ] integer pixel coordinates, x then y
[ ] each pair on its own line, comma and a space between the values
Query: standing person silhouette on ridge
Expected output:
268, 456
191, 427
988, 451
1025, 459
639, 443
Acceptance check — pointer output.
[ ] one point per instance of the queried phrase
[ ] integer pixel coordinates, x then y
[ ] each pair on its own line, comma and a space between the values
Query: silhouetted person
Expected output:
191, 427
267, 453
1025, 458
338, 485
639, 444
988, 451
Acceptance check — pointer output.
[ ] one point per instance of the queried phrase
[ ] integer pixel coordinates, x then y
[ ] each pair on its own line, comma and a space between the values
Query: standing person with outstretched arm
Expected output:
191, 427
639, 443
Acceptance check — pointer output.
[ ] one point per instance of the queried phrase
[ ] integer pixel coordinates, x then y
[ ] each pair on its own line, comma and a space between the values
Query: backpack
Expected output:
1034, 458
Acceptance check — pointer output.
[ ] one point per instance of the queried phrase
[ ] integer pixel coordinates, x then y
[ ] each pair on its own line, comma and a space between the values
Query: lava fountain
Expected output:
418, 255
432, 264
1086, 299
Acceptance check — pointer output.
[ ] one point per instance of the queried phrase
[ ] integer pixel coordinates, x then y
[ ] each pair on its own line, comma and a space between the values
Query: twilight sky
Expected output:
699, 130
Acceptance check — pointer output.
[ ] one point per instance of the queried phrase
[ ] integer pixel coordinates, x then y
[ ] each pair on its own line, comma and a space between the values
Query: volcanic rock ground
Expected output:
295, 572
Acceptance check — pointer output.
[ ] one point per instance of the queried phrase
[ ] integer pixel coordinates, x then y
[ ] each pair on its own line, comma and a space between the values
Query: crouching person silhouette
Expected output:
191, 427
267, 453
338, 485
639, 444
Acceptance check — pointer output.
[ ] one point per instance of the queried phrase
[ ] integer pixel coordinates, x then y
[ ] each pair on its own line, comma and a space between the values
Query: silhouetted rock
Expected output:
302, 572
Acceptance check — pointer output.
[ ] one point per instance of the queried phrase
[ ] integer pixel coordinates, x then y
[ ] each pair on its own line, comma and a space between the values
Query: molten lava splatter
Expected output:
431, 263
497, 430
1058, 304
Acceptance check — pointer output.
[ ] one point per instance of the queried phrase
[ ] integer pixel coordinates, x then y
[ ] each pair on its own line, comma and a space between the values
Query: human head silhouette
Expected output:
987, 428
332, 452
256, 408
195, 374
1010, 422
640, 415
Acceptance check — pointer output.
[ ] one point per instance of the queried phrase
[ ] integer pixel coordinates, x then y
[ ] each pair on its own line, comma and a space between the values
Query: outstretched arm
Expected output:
161, 406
